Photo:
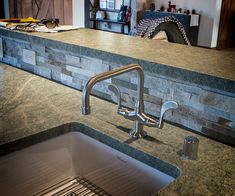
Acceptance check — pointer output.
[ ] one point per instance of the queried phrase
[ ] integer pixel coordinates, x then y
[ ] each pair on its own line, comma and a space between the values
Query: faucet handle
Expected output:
121, 110
169, 105
117, 92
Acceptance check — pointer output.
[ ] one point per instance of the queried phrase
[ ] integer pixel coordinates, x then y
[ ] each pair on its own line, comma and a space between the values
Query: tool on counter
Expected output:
48, 25
27, 27
28, 24
51, 23
20, 20
21, 24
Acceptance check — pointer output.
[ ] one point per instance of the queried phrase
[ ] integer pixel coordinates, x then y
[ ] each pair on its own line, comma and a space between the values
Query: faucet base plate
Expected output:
135, 134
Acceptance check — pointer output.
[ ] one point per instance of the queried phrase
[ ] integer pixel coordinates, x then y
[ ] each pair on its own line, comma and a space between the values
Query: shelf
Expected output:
109, 21
95, 20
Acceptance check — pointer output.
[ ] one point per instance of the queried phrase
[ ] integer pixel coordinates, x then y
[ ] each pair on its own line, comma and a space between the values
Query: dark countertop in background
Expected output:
30, 104
205, 67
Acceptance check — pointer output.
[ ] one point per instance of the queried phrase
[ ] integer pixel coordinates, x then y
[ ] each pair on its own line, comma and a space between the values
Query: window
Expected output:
110, 4
113, 4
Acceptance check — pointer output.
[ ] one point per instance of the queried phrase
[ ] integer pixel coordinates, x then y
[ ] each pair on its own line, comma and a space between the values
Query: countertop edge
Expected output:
203, 80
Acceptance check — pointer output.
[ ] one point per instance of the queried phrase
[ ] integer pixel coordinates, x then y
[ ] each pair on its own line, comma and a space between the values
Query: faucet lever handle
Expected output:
169, 105
117, 93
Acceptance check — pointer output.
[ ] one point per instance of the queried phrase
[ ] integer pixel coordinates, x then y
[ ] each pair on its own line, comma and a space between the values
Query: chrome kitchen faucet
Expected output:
138, 116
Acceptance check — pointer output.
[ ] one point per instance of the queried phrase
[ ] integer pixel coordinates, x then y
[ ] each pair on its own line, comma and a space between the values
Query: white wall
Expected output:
208, 9
79, 13
6, 9
216, 23
210, 14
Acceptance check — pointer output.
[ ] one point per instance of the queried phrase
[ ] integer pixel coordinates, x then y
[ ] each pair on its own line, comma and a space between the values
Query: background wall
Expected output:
210, 15
79, 13
6, 9
209, 11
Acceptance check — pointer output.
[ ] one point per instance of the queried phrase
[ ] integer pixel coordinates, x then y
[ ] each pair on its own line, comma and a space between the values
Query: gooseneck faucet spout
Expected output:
109, 74
137, 115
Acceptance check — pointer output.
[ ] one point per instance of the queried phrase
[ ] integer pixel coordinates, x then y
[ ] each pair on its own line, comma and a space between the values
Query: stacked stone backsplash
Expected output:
201, 109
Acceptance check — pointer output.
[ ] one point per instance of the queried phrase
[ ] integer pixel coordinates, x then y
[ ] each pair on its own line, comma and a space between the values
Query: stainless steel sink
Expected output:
77, 160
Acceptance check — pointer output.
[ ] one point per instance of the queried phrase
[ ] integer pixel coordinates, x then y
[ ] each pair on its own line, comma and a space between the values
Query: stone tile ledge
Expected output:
216, 74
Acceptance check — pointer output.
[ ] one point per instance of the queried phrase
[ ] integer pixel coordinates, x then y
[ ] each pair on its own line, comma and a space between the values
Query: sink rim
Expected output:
150, 160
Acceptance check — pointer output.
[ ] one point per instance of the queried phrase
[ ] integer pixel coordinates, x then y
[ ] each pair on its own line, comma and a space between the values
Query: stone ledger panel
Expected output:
201, 109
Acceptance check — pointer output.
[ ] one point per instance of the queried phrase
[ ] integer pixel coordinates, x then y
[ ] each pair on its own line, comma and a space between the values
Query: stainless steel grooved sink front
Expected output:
80, 157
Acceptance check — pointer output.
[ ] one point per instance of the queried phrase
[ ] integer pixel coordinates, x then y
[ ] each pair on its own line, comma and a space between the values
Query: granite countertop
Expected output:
30, 104
201, 66
217, 63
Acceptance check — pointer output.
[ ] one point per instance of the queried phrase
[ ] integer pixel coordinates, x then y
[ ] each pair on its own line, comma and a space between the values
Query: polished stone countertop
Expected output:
205, 67
30, 104
211, 62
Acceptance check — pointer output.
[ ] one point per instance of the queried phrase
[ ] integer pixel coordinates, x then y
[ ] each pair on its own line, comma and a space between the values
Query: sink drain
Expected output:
73, 187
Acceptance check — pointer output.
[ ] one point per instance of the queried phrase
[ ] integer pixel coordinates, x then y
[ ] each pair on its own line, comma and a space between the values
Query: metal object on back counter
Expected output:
190, 148
50, 23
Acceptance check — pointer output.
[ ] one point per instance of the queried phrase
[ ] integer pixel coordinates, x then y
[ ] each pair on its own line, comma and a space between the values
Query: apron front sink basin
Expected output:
77, 160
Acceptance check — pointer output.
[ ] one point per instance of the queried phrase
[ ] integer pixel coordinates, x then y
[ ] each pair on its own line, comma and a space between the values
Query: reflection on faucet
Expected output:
138, 116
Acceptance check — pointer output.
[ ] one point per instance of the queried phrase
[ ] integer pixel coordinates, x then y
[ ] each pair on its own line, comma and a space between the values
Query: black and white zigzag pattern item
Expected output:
147, 27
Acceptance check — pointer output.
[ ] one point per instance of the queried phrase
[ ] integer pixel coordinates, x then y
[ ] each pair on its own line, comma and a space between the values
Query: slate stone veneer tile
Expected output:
206, 103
